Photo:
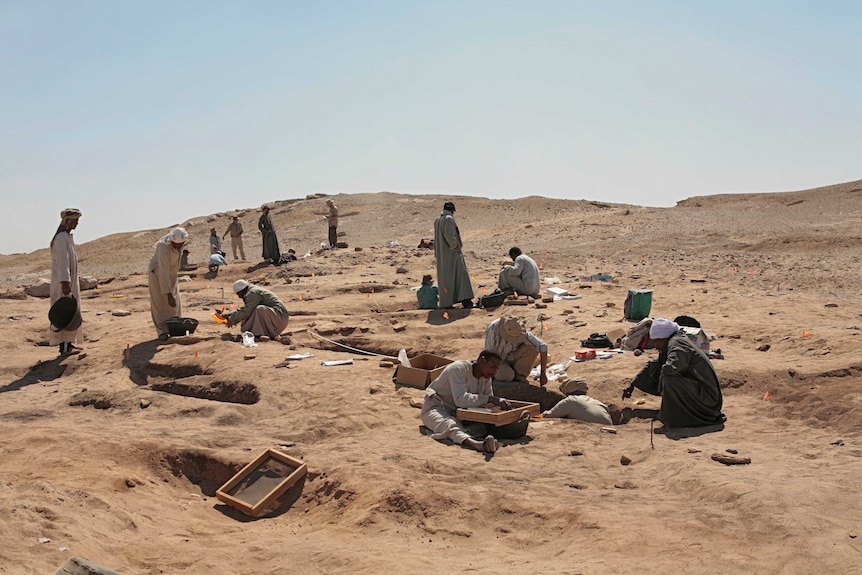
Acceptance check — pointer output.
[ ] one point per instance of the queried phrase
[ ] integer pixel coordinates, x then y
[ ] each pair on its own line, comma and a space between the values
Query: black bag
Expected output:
597, 340
493, 300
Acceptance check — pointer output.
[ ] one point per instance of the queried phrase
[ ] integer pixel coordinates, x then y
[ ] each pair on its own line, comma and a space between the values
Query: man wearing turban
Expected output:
64, 279
162, 278
684, 378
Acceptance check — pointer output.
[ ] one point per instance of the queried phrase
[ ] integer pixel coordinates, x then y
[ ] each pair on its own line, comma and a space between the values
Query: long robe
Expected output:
523, 277
162, 279
453, 279
64, 268
270, 240
686, 381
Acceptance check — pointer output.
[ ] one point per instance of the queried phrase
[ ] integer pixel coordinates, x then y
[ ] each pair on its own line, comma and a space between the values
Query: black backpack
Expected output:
493, 300
597, 340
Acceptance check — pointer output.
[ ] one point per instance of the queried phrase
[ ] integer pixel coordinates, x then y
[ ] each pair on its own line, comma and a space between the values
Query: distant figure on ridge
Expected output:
271, 253
65, 283
235, 231
162, 278
215, 243
523, 277
453, 279
332, 219
684, 378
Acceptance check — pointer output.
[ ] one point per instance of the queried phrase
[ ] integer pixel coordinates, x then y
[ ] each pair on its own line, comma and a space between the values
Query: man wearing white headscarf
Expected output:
162, 278
262, 313
64, 278
684, 378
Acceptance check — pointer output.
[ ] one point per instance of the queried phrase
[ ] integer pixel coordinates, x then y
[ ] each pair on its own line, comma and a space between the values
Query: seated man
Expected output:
184, 262
262, 314
462, 384
684, 378
427, 294
518, 348
523, 277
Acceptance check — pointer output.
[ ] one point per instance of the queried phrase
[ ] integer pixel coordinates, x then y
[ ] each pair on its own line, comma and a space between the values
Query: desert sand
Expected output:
115, 455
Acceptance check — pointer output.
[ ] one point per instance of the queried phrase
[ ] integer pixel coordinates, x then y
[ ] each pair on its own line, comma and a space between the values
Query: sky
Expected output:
146, 114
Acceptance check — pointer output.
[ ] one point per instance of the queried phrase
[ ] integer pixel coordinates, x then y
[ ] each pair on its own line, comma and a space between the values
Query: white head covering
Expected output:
662, 328
176, 235
239, 285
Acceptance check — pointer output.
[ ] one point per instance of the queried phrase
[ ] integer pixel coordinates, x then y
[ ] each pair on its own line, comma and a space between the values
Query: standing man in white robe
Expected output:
64, 277
162, 278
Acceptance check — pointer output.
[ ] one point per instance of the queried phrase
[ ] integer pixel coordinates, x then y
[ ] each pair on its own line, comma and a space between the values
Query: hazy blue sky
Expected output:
146, 113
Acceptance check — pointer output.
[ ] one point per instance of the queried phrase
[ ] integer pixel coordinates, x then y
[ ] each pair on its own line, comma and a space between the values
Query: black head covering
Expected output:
450, 206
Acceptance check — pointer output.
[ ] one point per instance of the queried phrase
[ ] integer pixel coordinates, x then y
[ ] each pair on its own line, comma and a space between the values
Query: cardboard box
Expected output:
424, 368
500, 417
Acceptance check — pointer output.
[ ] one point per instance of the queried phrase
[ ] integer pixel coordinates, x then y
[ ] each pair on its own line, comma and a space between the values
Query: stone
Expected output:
87, 282
401, 270
41, 289
399, 327
763, 347
575, 453
264, 338
730, 459
831, 304
624, 460
540, 305
386, 363
145, 403
121, 313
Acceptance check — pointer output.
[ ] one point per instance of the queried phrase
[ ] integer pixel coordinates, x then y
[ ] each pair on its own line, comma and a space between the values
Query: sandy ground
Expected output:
102, 454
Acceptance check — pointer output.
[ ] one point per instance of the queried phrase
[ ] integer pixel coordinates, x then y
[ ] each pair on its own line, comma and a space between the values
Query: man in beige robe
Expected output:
64, 278
162, 278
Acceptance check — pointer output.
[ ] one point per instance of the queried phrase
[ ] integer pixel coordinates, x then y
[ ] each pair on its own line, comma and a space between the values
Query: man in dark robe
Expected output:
684, 378
453, 279
271, 253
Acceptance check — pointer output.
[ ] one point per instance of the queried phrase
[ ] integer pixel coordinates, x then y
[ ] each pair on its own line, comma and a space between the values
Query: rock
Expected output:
733, 451
386, 363
693, 450
763, 347
838, 442
121, 313
576, 453
637, 352
831, 304
624, 460
549, 299
373, 390
625, 485
399, 327
401, 270
41, 289
145, 403
730, 459
87, 282
357, 249
541, 305
249, 356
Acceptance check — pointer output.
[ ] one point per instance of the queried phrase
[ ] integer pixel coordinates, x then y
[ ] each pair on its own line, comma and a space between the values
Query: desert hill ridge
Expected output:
114, 454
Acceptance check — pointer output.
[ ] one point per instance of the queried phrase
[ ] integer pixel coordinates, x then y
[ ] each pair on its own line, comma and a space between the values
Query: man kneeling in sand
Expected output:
262, 314
462, 384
